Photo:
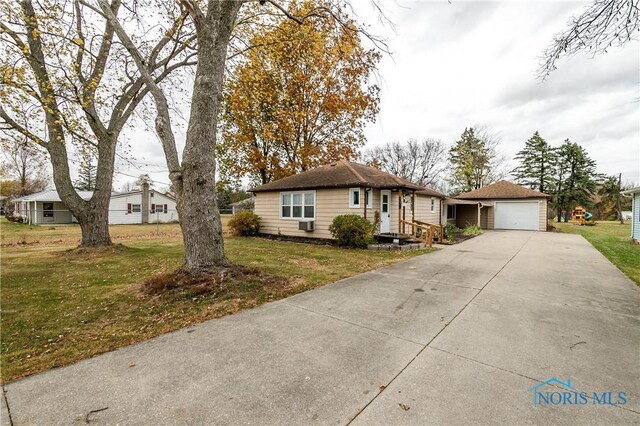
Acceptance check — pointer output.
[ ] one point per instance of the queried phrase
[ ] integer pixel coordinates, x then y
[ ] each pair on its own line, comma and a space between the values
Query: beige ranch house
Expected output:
304, 205
502, 205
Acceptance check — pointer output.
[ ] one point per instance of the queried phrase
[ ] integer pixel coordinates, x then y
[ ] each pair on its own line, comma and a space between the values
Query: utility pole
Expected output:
618, 203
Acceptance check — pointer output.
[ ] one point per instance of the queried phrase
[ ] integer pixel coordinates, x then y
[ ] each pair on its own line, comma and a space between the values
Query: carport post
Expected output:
479, 212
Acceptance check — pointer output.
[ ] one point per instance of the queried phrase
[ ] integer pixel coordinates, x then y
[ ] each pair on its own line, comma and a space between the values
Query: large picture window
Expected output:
298, 205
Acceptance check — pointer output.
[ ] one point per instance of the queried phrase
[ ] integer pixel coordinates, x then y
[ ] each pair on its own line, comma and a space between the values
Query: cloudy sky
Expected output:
464, 63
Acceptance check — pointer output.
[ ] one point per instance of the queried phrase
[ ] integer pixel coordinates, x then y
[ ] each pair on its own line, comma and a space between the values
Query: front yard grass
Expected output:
60, 305
612, 240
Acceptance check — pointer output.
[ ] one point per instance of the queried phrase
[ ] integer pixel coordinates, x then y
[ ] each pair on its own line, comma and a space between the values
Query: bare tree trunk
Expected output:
197, 201
92, 215
94, 223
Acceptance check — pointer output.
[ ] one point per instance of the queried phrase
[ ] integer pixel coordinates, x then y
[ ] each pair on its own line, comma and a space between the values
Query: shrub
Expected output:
451, 232
244, 223
472, 230
351, 230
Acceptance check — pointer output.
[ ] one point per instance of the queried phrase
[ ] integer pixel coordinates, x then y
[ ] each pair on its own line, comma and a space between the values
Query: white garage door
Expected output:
516, 215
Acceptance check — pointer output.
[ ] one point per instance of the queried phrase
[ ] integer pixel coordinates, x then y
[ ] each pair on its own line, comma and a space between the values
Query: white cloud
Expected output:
462, 63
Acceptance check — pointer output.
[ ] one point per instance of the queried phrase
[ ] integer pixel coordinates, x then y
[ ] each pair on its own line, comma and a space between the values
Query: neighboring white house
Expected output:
635, 209
45, 207
124, 208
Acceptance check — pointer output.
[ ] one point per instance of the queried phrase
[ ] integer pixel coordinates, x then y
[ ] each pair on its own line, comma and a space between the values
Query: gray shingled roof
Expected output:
342, 174
502, 190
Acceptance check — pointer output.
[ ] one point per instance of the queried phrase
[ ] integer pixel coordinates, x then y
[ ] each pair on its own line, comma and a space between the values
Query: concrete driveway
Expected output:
459, 336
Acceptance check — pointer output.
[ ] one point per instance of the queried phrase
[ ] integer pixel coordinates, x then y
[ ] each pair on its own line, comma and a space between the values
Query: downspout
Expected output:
366, 196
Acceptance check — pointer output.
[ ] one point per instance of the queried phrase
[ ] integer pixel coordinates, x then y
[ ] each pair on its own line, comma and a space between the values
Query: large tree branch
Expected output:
163, 119
23, 130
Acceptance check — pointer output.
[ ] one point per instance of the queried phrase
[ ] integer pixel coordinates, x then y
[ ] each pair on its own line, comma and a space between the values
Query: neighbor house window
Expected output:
433, 205
451, 211
47, 209
355, 195
135, 208
298, 205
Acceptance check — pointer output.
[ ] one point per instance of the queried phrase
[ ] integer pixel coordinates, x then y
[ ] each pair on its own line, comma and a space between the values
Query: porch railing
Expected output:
423, 231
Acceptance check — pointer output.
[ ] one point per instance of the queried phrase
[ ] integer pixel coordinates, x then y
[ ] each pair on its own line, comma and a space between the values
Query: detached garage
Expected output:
503, 205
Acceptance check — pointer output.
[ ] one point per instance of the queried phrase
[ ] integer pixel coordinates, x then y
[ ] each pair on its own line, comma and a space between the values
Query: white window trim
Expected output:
433, 205
351, 203
299, 219
360, 192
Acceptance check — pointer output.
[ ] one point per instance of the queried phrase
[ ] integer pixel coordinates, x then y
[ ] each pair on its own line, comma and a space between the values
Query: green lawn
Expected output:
612, 240
60, 306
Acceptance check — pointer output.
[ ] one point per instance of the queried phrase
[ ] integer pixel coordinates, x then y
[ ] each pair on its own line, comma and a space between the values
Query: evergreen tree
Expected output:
471, 162
86, 173
537, 164
612, 203
576, 179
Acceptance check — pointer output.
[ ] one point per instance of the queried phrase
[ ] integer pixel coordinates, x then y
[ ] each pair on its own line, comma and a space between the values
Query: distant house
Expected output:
502, 205
635, 212
246, 205
142, 206
304, 205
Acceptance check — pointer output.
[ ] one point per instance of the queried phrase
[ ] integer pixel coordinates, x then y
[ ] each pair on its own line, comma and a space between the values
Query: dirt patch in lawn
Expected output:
221, 282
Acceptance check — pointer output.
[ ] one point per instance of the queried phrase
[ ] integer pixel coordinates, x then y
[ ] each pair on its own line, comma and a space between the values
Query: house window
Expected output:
135, 208
47, 209
433, 205
354, 198
367, 197
298, 205
451, 211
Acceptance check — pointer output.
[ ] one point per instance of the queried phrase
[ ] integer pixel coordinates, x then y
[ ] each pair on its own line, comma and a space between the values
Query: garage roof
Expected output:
502, 190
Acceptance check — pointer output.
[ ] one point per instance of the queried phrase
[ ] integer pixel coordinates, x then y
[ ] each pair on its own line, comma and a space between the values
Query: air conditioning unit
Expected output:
307, 225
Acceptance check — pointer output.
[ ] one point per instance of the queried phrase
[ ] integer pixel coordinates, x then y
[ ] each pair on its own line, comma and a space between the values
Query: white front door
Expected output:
385, 211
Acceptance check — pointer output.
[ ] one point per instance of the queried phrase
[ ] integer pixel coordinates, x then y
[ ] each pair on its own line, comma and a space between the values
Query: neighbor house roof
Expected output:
632, 190
430, 193
137, 191
51, 195
245, 202
502, 190
341, 174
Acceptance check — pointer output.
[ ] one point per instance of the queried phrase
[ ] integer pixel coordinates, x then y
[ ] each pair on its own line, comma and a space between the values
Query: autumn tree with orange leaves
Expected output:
299, 98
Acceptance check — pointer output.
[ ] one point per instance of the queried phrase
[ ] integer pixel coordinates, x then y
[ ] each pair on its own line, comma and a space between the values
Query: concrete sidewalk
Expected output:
459, 336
